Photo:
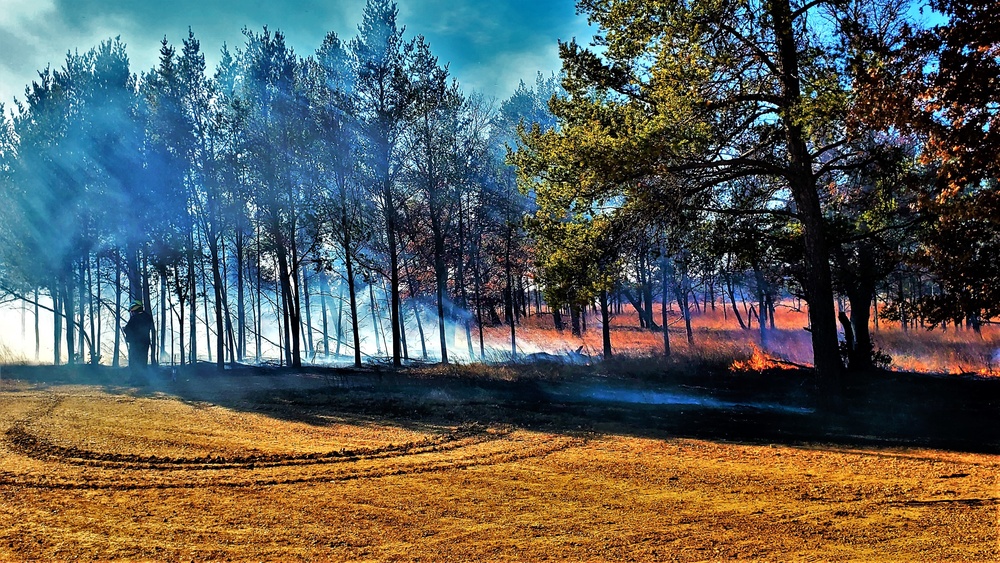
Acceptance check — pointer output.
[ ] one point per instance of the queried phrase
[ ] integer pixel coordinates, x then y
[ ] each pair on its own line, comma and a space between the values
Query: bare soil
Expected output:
428, 465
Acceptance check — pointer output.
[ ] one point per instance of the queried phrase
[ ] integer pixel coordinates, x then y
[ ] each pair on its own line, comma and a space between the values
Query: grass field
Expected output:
510, 464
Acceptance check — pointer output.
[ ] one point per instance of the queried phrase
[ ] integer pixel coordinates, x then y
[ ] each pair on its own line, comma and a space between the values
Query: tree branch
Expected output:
764, 57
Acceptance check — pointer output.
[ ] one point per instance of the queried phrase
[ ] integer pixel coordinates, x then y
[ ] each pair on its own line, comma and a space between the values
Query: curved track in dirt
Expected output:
74, 467
23, 442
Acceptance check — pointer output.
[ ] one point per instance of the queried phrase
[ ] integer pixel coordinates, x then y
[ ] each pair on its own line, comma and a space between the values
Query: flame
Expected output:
758, 361
987, 371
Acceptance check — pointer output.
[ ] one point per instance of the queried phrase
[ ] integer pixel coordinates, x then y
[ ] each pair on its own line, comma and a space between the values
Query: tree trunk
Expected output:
711, 292
226, 312
802, 184
193, 298
761, 304
903, 320
375, 321
420, 329
95, 324
307, 302
69, 311
38, 334
161, 271
414, 291
259, 317
663, 305
875, 309
283, 317
477, 280
355, 321
295, 303
848, 334
647, 292
324, 289
81, 286
441, 279
681, 295
574, 316
340, 320
170, 304
732, 300
204, 292
181, 296
230, 333
606, 324
290, 298
402, 321
686, 291
56, 324
460, 285
693, 296
351, 290
147, 303
116, 360
860, 301
241, 315
220, 345
394, 320
509, 294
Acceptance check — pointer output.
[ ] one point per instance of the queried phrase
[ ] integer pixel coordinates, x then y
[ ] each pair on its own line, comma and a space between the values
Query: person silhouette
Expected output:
138, 334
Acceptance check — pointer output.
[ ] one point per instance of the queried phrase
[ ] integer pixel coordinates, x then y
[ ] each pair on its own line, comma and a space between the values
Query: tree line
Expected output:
698, 153
360, 177
835, 150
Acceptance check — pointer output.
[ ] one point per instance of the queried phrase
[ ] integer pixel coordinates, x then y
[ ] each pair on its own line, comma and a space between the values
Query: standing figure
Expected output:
138, 334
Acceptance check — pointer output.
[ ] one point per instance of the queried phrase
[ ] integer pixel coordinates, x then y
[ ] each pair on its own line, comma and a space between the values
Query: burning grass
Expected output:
759, 362
717, 338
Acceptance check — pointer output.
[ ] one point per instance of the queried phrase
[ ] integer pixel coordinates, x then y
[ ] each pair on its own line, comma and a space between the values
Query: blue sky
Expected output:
489, 45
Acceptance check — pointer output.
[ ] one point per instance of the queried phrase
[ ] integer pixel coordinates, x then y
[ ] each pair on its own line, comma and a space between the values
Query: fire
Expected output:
988, 371
757, 362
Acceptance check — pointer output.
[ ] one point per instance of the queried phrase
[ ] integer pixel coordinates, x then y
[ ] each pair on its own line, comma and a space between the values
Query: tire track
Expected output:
510, 452
21, 441
75, 468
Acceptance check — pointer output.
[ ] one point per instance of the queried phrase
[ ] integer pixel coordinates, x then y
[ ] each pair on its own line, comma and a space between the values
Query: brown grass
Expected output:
718, 338
290, 468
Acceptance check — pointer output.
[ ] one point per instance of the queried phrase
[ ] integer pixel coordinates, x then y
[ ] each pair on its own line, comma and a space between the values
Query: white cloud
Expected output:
34, 35
501, 76
17, 14
490, 47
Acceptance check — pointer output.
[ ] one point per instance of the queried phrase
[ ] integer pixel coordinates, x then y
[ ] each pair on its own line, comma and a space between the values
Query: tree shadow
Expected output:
785, 407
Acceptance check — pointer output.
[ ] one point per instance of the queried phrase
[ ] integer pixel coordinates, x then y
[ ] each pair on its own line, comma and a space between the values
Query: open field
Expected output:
517, 463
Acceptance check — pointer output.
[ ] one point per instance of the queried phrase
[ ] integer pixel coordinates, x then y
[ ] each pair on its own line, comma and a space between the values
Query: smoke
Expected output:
608, 393
17, 338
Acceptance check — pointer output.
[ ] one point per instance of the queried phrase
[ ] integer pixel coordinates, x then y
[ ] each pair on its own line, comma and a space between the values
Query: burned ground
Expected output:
532, 462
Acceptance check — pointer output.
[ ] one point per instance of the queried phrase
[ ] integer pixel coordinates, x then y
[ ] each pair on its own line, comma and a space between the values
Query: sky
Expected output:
490, 46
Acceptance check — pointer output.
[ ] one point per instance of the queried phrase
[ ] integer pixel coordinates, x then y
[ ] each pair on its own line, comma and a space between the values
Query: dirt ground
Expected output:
307, 466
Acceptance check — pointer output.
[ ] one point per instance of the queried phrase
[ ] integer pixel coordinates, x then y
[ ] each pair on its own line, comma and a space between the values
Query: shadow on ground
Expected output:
785, 407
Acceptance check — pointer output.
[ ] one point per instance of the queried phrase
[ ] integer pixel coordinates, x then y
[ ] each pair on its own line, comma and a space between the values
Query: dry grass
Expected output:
718, 338
290, 468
